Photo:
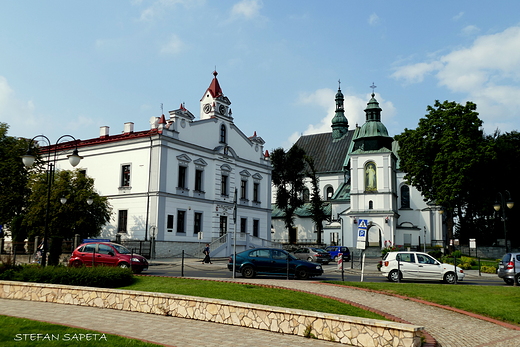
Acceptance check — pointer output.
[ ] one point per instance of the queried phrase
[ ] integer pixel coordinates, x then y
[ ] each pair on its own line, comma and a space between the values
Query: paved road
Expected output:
450, 329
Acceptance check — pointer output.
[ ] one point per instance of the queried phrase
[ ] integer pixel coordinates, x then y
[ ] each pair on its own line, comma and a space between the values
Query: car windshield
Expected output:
122, 250
319, 250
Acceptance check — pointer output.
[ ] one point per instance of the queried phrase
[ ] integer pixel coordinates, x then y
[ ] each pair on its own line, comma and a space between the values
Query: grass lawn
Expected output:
247, 293
13, 330
502, 303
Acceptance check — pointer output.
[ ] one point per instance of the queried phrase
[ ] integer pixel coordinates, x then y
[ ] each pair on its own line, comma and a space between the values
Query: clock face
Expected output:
207, 108
222, 109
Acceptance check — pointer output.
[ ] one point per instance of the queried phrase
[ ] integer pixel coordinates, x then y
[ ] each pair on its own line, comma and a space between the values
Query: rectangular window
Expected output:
181, 215
243, 190
224, 185
223, 225
198, 180
125, 175
197, 223
256, 227
169, 223
182, 177
122, 221
256, 192
243, 225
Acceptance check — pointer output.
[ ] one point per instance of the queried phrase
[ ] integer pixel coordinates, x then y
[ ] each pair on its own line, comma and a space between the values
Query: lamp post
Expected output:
500, 203
28, 160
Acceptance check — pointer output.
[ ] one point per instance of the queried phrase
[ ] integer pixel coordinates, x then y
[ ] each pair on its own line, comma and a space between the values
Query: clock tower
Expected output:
213, 103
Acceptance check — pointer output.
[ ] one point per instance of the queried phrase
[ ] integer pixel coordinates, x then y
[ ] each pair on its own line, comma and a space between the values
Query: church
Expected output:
364, 191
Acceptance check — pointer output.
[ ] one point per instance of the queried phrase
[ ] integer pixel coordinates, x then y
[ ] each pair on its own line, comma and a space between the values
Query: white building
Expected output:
177, 180
361, 184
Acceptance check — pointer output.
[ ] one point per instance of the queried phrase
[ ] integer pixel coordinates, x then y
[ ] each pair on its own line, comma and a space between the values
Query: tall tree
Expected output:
441, 157
288, 178
318, 214
75, 216
13, 183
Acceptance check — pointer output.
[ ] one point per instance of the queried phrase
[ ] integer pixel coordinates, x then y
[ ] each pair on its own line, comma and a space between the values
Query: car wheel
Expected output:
449, 277
138, 271
124, 265
394, 276
77, 263
248, 271
508, 281
517, 279
302, 274
309, 259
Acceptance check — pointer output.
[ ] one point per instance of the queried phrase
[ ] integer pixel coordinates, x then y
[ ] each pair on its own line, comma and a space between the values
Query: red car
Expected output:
107, 254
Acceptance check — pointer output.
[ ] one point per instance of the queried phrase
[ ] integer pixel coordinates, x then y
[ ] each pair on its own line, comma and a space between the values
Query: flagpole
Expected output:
235, 234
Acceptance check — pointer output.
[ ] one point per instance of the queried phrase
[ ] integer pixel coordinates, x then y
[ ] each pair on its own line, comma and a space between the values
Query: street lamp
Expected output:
501, 204
28, 160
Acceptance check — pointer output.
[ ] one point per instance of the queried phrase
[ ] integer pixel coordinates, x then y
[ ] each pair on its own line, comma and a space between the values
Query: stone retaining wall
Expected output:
349, 330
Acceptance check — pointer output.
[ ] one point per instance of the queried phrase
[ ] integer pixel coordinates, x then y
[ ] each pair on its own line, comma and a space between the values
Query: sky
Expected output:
70, 67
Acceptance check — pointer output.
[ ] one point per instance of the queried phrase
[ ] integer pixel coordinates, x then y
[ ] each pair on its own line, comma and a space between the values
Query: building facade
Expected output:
186, 179
365, 193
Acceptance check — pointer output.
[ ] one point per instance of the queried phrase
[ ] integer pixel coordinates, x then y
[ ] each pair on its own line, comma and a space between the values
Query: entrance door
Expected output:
292, 236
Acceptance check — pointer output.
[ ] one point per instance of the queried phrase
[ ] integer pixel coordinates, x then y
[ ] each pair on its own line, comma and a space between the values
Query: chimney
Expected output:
129, 128
104, 131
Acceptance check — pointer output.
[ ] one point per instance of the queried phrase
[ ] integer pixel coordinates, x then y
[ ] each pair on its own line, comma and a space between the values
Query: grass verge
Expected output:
21, 332
502, 303
247, 293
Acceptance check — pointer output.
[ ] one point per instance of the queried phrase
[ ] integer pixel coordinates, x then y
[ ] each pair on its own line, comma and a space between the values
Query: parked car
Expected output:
313, 254
107, 254
418, 266
509, 268
273, 261
334, 251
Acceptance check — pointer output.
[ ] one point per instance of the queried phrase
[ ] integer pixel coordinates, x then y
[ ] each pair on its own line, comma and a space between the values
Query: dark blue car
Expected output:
334, 251
273, 261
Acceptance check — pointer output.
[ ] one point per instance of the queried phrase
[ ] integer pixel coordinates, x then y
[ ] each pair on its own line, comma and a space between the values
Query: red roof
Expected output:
214, 87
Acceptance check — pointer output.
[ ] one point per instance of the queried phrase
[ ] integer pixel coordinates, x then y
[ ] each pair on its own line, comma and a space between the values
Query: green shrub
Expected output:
488, 269
468, 260
101, 276
456, 254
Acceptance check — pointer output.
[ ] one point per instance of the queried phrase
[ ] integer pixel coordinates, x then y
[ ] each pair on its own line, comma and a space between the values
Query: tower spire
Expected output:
339, 122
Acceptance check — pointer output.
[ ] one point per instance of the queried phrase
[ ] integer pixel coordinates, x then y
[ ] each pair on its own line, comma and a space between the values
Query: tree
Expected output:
442, 156
75, 216
13, 183
288, 178
318, 215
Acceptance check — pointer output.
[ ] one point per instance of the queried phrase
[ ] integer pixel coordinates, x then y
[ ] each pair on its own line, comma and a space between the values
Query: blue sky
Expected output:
69, 67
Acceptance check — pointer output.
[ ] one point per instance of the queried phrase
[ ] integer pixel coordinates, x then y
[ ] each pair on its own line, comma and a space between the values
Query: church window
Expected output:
330, 193
370, 205
222, 133
305, 194
122, 221
405, 197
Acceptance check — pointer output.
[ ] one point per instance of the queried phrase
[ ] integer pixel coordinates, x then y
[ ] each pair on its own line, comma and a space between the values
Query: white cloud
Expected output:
470, 30
247, 9
458, 16
174, 46
158, 8
373, 19
415, 73
18, 114
487, 72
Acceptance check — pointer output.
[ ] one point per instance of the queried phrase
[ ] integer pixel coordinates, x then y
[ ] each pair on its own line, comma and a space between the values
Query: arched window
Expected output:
330, 193
370, 205
306, 195
222, 133
405, 197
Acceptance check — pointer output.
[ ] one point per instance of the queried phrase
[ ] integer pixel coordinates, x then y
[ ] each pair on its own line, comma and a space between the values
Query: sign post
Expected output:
362, 242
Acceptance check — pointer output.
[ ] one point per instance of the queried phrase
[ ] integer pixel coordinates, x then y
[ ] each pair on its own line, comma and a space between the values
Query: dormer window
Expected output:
222, 133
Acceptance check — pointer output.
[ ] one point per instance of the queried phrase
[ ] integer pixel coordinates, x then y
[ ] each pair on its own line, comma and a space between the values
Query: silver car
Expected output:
509, 268
316, 255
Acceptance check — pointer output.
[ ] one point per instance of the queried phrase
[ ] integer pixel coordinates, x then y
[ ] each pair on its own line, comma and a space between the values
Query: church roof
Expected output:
214, 87
328, 154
